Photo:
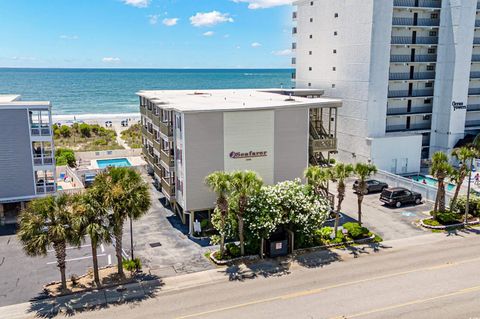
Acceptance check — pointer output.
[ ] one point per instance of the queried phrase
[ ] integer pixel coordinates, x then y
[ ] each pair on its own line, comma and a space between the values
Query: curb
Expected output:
442, 227
295, 252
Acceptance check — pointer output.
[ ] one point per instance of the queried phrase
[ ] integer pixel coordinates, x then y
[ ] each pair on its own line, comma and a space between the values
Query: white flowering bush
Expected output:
288, 203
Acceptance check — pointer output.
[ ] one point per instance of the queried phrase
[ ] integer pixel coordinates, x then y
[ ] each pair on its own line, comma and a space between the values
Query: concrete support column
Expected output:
22, 205
2, 215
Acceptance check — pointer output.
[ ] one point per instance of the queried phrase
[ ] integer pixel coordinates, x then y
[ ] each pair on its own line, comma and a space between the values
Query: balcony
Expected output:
416, 40
158, 170
168, 188
143, 110
403, 128
418, 3
294, 15
414, 76
147, 133
477, 23
474, 91
416, 58
476, 58
45, 188
475, 75
413, 111
473, 107
415, 22
323, 145
414, 93
166, 129
474, 123
476, 40
167, 158
148, 156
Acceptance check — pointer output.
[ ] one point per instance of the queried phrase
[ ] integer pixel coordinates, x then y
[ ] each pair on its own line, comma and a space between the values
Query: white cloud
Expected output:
137, 3
256, 45
170, 22
69, 37
209, 19
282, 52
262, 4
153, 19
209, 33
111, 60
24, 58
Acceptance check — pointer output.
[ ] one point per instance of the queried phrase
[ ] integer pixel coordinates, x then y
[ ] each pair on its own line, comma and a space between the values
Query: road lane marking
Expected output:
74, 259
410, 303
321, 289
83, 246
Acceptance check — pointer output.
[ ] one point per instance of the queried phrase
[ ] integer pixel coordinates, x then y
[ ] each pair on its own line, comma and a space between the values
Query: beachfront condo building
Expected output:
189, 134
27, 161
408, 72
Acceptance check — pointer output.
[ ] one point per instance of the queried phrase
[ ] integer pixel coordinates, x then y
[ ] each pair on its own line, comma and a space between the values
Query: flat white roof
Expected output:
236, 100
14, 100
9, 98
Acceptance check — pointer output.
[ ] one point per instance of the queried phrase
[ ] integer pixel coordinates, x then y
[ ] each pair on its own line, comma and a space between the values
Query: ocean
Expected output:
109, 91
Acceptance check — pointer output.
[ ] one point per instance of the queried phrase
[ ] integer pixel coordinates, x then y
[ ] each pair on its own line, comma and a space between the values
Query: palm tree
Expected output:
441, 170
244, 184
91, 218
363, 171
123, 191
318, 177
45, 223
220, 183
340, 172
463, 154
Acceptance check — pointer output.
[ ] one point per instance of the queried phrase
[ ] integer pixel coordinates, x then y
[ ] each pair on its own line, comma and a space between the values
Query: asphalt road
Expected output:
431, 276
22, 278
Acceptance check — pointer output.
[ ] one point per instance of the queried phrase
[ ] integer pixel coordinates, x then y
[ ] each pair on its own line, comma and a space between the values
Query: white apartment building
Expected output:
408, 72
27, 161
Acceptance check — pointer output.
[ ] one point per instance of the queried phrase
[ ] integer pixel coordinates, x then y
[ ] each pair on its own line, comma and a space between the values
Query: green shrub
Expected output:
65, 156
324, 232
204, 224
65, 131
132, 264
355, 230
232, 250
85, 130
339, 239
473, 207
431, 222
448, 218
100, 141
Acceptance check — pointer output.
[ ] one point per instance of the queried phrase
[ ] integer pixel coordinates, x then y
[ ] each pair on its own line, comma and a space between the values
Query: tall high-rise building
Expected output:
408, 72
27, 161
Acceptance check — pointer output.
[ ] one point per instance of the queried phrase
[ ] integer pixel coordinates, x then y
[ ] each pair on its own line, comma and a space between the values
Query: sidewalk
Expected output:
154, 287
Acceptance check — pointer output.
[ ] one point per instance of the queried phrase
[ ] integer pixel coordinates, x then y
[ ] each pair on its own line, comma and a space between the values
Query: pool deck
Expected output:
134, 161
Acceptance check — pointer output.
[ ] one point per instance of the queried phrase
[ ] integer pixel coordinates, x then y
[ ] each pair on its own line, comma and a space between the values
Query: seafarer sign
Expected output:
458, 106
247, 155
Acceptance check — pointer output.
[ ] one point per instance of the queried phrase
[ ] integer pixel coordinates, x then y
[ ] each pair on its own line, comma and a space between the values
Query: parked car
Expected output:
398, 196
373, 186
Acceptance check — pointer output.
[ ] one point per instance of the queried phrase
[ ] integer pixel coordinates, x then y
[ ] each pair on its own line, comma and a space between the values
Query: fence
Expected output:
428, 192
87, 156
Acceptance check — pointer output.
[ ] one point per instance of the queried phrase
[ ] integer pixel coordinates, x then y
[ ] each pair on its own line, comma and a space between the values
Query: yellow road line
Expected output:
318, 290
410, 303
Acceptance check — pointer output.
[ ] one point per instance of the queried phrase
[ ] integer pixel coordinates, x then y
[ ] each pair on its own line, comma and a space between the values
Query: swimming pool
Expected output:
431, 181
114, 162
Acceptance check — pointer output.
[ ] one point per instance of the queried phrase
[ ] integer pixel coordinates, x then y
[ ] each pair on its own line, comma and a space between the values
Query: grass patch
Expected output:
133, 136
85, 137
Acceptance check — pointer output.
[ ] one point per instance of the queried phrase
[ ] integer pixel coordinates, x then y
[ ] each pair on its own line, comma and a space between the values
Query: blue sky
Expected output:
145, 33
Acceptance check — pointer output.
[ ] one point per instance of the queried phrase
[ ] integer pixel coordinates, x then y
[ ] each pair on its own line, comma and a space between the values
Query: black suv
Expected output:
398, 196
373, 186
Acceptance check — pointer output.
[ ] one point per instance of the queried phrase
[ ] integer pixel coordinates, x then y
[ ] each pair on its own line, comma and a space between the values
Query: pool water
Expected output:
59, 188
114, 162
430, 181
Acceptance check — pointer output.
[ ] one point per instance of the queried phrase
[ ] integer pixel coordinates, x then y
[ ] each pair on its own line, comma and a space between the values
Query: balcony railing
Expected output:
413, 111
167, 158
166, 129
403, 127
416, 22
473, 107
48, 188
143, 110
416, 58
476, 58
475, 75
158, 170
477, 23
414, 93
412, 40
474, 91
40, 131
414, 76
472, 123
45, 160
168, 188
418, 3
323, 145
476, 40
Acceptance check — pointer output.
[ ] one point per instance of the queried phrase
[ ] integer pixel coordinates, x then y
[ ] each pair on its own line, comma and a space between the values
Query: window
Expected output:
335, 15
309, 52
433, 33
431, 50
311, 36
334, 51
309, 84
334, 69
333, 86
427, 101
311, 19
430, 68
294, 46
311, 3
428, 84
309, 68
335, 33
434, 16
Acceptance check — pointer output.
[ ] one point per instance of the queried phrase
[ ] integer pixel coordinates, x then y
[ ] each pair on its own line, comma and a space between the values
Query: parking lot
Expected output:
22, 278
388, 222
